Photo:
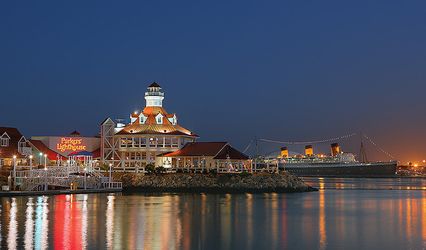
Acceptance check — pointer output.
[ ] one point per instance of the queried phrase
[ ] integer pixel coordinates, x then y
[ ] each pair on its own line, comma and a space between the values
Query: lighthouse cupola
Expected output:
154, 96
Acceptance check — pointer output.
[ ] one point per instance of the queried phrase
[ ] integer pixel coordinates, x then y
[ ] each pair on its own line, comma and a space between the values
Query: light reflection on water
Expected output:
328, 219
367, 183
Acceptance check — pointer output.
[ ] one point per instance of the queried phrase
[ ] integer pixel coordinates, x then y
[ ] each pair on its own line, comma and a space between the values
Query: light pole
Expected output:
14, 172
45, 161
31, 162
110, 172
39, 158
85, 178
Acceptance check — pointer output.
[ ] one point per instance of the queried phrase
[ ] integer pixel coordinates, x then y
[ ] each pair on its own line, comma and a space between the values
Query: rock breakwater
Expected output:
212, 183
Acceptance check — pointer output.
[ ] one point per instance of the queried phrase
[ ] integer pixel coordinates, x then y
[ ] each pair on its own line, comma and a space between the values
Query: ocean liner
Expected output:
337, 164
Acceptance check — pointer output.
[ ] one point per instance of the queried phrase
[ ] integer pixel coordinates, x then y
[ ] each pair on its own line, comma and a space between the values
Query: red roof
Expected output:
51, 155
12, 148
220, 150
96, 153
151, 126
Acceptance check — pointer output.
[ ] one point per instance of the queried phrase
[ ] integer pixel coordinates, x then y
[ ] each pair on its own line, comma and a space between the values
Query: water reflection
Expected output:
328, 219
29, 225
41, 223
322, 221
13, 226
367, 183
109, 220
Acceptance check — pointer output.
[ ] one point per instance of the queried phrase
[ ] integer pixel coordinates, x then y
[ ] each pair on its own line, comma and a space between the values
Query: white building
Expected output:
151, 132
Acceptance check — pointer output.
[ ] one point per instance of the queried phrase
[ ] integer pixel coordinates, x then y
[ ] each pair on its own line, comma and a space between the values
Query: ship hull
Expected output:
377, 169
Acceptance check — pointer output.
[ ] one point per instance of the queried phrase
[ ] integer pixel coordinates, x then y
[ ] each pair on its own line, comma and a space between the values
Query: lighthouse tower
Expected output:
154, 96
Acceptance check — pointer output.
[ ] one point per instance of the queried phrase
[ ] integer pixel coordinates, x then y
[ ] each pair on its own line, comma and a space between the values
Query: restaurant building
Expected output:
150, 132
205, 157
57, 148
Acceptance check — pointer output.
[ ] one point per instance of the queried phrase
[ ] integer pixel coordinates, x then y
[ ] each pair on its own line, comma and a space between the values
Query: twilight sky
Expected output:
231, 70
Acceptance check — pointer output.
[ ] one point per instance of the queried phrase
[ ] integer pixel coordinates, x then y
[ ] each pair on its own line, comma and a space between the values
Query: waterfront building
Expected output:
58, 148
206, 156
13, 146
150, 132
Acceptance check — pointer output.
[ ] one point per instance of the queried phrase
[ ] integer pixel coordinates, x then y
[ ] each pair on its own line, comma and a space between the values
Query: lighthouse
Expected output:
154, 96
151, 132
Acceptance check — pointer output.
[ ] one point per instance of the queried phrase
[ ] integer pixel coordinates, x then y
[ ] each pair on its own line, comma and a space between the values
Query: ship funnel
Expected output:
284, 152
335, 149
309, 150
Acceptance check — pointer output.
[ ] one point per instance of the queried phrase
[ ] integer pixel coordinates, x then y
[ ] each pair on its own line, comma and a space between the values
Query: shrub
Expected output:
160, 170
150, 168
104, 167
213, 171
245, 174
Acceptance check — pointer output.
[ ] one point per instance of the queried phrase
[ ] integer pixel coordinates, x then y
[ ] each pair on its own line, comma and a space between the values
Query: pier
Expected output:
74, 175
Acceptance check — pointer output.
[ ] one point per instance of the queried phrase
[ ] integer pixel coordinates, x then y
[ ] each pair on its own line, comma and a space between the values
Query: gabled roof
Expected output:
231, 153
109, 120
5, 135
75, 133
218, 150
14, 138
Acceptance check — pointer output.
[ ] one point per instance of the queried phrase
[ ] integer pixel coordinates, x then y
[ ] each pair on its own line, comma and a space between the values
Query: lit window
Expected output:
159, 119
142, 119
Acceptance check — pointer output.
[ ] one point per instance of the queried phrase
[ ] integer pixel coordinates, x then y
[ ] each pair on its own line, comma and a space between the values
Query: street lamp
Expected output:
39, 158
14, 166
31, 162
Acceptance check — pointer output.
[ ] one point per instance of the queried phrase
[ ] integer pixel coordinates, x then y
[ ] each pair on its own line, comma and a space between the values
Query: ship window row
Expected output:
150, 142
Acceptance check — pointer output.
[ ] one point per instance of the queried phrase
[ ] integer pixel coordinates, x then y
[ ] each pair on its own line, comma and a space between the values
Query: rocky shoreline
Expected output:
212, 183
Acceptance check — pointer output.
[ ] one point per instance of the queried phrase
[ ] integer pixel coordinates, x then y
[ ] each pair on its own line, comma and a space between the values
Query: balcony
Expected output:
154, 93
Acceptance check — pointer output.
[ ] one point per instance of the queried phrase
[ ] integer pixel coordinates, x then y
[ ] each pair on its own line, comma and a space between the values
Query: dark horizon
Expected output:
230, 71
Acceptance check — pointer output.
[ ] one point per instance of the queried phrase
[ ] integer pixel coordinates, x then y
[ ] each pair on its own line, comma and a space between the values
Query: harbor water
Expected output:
344, 214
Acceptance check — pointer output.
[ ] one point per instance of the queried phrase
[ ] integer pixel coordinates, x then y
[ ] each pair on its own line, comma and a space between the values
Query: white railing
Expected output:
62, 176
112, 185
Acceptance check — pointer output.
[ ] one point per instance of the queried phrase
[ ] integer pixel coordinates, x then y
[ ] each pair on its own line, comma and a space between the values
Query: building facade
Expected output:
13, 146
150, 132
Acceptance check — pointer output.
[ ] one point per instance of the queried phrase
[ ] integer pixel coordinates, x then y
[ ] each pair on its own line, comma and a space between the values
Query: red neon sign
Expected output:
70, 144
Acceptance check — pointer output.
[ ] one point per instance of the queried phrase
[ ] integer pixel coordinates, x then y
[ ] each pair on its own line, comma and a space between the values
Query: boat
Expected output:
337, 164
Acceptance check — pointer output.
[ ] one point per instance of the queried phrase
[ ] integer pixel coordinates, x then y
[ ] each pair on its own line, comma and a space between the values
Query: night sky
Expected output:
282, 70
